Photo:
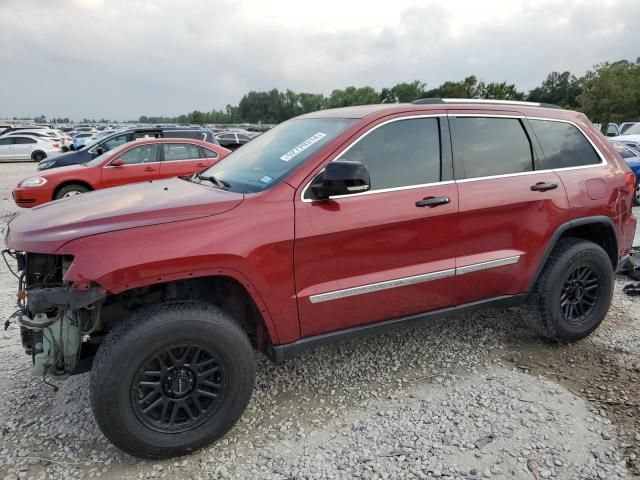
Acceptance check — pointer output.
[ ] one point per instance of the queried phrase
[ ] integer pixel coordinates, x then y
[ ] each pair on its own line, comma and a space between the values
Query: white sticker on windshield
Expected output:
266, 179
303, 146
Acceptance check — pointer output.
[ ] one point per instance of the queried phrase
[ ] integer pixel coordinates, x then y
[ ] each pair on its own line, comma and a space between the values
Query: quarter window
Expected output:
401, 153
206, 153
141, 154
492, 146
180, 151
563, 145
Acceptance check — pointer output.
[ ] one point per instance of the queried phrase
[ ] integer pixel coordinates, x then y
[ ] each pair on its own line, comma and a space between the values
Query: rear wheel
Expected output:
573, 293
70, 191
171, 379
636, 198
38, 156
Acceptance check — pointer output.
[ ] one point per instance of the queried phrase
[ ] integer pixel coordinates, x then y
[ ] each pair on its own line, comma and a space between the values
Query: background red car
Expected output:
137, 161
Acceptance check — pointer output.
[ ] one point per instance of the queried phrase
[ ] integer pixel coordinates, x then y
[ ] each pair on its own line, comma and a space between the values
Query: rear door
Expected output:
508, 209
385, 253
181, 158
141, 163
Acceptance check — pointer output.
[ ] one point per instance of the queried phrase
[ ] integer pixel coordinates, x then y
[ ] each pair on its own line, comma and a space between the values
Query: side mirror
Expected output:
118, 162
99, 150
341, 177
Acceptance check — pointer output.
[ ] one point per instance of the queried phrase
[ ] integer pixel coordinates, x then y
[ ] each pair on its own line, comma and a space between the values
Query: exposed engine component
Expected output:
57, 343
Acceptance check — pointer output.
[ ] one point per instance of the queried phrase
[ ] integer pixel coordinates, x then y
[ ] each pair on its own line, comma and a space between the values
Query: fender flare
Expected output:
595, 220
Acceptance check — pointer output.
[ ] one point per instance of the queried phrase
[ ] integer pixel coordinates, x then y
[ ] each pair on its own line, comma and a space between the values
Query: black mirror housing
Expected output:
341, 177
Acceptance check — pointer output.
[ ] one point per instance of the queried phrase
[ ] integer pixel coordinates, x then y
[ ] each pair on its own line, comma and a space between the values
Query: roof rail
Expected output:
483, 101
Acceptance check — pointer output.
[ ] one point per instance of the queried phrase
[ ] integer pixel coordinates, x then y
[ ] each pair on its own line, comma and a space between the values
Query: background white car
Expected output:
27, 147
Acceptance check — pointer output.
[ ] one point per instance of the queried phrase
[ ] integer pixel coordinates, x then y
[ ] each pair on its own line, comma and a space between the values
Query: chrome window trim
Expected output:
382, 190
412, 280
603, 161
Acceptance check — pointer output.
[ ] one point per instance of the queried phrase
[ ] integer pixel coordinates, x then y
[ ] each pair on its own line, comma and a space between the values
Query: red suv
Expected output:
331, 225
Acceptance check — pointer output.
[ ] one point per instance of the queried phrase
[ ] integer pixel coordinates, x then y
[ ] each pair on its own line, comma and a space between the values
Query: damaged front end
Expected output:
55, 318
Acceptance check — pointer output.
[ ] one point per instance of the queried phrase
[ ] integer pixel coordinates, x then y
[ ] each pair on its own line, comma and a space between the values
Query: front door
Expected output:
388, 252
509, 209
6, 148
141, 164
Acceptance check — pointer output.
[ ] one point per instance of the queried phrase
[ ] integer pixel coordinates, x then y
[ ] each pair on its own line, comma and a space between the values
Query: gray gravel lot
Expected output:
475, 396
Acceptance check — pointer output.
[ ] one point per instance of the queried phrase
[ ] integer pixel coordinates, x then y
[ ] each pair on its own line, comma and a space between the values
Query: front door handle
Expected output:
149, 169
201, 164
543, 186
433, 202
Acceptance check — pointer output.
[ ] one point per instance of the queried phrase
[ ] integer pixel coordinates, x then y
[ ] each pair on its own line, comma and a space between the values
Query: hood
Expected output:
45, 228
69, 158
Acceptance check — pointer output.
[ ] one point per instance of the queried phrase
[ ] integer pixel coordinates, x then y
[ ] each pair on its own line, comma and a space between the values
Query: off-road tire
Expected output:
68, 190
130, 344
542, 309
38, 156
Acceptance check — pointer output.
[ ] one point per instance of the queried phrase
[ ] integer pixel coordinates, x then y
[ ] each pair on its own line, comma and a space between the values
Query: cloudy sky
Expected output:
123, 58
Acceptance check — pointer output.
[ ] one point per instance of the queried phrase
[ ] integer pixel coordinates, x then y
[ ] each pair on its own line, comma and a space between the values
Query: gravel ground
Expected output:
475, 396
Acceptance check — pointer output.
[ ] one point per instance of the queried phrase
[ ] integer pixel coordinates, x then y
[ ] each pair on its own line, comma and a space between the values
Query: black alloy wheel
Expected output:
178, 388
579, 294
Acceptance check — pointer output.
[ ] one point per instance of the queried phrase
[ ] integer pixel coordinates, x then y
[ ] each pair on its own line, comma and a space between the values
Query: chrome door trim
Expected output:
375, 287
476, 267
404, 281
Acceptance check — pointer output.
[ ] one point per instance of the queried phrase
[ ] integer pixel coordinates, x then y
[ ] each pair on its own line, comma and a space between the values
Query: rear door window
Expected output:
180, 151
563, 145
488, 146
114, 142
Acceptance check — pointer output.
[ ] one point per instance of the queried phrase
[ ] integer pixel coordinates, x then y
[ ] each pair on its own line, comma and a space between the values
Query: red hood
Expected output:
46, 228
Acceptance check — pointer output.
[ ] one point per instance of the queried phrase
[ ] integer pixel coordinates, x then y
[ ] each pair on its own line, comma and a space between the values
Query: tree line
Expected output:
609, 92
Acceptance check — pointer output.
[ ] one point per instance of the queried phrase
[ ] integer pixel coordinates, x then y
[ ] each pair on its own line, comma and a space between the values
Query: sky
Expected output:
120, 59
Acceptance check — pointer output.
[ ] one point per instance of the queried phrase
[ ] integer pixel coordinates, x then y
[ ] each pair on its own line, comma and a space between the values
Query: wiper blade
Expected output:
221, 184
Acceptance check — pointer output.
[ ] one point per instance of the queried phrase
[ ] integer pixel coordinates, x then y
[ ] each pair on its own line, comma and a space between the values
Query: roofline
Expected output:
434, 101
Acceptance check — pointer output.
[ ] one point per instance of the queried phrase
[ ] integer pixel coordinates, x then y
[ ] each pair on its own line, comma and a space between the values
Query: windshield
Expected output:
263, 161
96, 161
633, 130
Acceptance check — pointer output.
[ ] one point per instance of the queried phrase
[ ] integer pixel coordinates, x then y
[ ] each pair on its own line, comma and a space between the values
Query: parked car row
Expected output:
31, 143
614, 130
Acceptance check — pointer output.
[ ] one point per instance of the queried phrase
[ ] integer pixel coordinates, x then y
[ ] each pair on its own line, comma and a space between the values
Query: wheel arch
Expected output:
71, 182
598, 229
226, 288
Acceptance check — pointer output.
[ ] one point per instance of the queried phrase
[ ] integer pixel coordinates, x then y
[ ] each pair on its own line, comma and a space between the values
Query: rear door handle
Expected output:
201, 164
543, 186
433, 202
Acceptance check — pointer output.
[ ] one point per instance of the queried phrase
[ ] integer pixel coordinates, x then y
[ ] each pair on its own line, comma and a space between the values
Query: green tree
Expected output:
558, 88
197, 117
403, 92
498, 91
352, 96
611, 92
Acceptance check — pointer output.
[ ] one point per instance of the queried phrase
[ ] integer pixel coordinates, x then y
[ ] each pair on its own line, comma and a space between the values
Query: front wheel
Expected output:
573, 293
171, 379
70, 191
636, 197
